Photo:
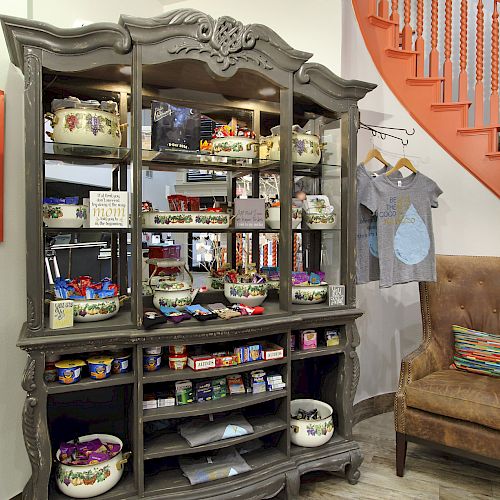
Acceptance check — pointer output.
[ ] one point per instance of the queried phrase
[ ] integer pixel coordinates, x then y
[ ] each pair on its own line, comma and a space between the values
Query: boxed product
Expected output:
308, 339
235, 384
225, 359
183, 392
149, 402
275, 382
255, 381
201, 362
248, 353
219, 388
332, 338
271, 351
203, 391
164, 399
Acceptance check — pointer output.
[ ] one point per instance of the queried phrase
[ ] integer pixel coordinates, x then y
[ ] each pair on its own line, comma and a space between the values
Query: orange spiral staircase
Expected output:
422, 75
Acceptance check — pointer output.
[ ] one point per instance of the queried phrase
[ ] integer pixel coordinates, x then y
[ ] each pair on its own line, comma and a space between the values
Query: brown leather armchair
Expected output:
451, 409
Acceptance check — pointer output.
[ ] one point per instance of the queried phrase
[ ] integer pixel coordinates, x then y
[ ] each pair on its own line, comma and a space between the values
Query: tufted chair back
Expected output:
467, 293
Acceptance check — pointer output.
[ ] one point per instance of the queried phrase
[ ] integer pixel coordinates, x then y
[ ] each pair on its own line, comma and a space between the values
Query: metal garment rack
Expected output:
374, 129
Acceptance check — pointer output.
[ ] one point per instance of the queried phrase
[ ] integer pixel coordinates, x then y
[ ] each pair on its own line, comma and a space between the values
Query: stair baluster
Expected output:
395, 11
494, 67
463, 93
419, 42
479, 90
447, 66
383, 9
407, 29
434, 54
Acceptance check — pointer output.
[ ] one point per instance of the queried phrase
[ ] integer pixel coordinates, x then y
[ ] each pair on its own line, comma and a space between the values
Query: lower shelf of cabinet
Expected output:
169, 482
124, 489
172, 444
217, 406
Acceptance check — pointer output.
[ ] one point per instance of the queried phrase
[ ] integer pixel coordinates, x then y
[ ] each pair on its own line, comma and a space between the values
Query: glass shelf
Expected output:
85, 155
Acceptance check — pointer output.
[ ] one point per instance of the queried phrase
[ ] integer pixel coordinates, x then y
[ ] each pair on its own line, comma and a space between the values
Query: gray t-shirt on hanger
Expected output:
367, 265
404, 226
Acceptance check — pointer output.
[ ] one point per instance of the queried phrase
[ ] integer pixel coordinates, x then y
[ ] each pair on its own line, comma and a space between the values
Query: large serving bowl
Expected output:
64, 215
305, 148
87, 310
215, 282
173, 294
92, 127
250, 294
187, 220
320, 220
235, 146
309, 294
273, 217
311, 433
87, 481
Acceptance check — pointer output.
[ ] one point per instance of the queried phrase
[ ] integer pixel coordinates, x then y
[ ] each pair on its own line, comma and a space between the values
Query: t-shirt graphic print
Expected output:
404, 227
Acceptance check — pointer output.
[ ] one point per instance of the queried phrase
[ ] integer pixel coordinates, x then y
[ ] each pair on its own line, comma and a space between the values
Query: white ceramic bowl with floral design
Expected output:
87, 310
235, 147
173, 294
305, 148
273, 217
309, 294
87, 481
320, 220
187, 220
67, 216
250, 294
311, 433
92, 127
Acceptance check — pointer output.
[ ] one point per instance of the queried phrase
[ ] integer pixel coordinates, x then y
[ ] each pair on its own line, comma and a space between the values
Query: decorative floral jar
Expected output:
87, 481
235, 147
305, 146
85, 122
311, 433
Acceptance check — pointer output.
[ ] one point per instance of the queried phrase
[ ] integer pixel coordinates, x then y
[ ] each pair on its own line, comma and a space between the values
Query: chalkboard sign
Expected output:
250, 213
108, 209
336, 295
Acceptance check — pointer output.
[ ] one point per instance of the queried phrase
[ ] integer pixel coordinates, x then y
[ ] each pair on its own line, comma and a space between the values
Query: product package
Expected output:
308, 339
271, 351
183, 392
203, 391
275, 382
219, 388
201, 362
235, 384
200, 313
225, 359
223, 311
255, 381
332, 338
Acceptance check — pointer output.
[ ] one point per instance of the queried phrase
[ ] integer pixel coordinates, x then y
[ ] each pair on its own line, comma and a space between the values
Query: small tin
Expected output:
121, 364
177, 362
69, 371
99, 367
152, 350
152, 362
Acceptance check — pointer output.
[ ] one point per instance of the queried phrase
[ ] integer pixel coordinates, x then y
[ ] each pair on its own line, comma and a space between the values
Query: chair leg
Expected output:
400, 454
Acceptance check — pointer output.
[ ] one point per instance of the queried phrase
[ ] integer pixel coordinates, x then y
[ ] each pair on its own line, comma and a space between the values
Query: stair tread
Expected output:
374, 19
451, 104
401, 51
478, 130
429, 79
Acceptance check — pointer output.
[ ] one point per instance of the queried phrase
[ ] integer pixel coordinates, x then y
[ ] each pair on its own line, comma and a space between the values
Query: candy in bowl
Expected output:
64, 212
311, 422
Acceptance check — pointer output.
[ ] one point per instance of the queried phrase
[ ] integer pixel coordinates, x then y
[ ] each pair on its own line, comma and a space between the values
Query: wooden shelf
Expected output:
80, 154
225, 404
173, 444
89, 383
173, 481
337, 439
167, 375
319, 351
83, 230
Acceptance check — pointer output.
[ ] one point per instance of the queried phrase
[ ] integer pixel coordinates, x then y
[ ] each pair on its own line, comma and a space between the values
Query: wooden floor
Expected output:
429, 474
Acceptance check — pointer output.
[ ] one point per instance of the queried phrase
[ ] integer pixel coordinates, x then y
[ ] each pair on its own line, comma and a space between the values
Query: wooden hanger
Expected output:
376, 154
402, 162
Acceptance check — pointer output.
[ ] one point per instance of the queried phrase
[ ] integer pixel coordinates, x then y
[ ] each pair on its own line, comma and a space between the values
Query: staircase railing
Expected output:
429, 28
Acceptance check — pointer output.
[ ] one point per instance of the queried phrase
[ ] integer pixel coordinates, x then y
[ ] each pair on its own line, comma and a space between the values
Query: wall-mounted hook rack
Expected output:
384, 135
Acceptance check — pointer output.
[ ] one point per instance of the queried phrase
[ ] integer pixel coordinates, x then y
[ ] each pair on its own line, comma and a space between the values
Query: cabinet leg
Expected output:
352, 472
401, 445
292, 484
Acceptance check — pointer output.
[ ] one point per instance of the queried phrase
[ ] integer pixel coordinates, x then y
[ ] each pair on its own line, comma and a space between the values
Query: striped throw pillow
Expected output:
477, 352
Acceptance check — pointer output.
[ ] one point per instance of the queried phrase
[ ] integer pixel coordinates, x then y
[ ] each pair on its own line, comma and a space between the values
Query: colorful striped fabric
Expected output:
477, 352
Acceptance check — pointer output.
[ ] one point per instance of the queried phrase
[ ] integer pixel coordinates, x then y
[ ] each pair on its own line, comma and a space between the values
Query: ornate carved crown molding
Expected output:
224, 41
20, 33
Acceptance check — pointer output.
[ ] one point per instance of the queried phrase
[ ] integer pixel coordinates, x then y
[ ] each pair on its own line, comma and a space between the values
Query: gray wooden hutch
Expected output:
208, 63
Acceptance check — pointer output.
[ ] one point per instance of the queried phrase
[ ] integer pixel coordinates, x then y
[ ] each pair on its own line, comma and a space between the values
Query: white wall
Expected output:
466, 221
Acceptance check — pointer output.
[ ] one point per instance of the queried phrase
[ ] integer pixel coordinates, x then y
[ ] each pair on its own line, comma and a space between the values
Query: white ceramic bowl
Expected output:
87, 481
173, 294
309, 294
85, 126
305, 148
215, 283
67, 216
320, 221
188, 220
250, 294
273, 217
311, 433
87, 310
235, 147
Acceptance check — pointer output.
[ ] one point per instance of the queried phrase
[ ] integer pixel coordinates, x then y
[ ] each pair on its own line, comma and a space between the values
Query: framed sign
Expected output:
336, 295
250, 213
108, 209
2, 154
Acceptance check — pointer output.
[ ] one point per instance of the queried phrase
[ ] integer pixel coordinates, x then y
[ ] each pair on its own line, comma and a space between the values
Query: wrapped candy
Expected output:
87, 453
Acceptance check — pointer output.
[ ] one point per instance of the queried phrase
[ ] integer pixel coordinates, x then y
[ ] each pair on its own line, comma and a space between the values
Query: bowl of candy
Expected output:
309, 288
237, 144
249, 289
311, 422
64, 212
90, 465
